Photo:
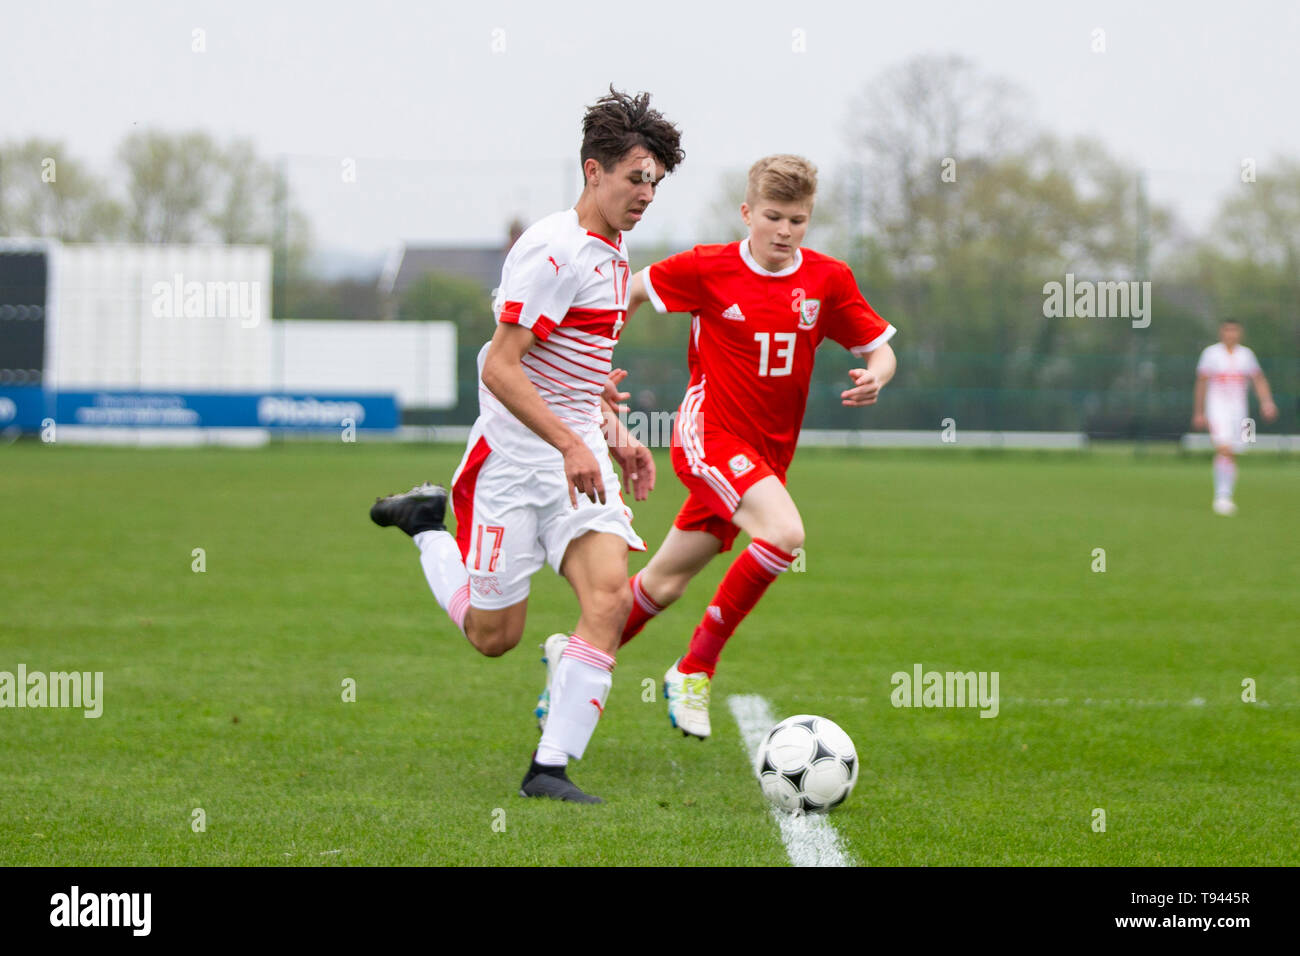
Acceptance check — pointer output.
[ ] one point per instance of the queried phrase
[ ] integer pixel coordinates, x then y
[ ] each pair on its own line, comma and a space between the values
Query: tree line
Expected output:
955, 210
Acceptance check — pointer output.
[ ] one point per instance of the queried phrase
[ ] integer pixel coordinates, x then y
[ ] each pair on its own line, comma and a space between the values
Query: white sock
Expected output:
445, 572
578, 693
1225, 476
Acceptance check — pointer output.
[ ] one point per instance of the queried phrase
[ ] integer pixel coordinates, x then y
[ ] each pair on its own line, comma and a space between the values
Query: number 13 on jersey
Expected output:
779, 346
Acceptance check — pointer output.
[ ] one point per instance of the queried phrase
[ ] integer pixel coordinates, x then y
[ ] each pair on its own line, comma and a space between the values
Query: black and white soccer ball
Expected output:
806, 764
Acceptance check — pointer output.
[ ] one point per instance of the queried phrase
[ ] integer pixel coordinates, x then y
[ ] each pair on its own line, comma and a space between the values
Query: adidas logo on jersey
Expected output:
734, 314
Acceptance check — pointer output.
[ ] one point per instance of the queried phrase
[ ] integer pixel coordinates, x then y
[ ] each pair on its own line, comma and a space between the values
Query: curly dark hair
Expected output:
618, 122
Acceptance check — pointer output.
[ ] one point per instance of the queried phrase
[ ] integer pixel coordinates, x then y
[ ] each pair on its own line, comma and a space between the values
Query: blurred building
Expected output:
171, 343
410, 261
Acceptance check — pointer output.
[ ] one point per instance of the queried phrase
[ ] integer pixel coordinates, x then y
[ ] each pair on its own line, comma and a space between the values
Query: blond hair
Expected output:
782, 178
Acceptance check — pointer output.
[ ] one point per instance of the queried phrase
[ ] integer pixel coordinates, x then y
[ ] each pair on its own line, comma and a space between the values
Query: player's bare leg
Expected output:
682, 555
670, 555
768, 513
493, 632
595, 564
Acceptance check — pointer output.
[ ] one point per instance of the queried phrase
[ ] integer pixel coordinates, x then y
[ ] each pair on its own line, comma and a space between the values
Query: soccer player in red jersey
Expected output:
760, 308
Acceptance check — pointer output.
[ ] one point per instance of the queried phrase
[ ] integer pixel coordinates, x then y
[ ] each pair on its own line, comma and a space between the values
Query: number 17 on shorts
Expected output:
485, 555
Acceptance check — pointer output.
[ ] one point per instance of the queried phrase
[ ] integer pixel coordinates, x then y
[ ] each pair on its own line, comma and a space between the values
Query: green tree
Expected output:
46, 192
436, 296
1259, 223
909, 124
244, 193
958, 211
1248, 268
289, 233
170, 180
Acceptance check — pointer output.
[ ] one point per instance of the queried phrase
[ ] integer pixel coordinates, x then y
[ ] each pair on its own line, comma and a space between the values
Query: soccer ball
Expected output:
806, 764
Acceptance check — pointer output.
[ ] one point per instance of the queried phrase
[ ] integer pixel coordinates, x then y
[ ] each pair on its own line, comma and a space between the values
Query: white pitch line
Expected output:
1127, 702
1107, 702
810, 839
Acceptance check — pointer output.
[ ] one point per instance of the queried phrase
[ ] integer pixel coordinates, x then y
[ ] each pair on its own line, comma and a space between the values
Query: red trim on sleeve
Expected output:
541, 327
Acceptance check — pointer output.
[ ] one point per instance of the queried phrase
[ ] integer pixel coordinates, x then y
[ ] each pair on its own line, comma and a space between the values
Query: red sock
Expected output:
643, 608
746, 580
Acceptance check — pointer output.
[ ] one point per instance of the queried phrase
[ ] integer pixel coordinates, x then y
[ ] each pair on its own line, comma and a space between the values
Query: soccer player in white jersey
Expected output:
1220, 405
535, 485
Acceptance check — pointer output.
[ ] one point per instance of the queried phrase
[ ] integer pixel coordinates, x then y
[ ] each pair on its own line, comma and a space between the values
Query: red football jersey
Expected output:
754, 332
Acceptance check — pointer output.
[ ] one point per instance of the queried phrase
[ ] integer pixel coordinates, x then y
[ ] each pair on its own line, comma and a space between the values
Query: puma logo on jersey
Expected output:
739, 464
558, 265
595, 703
734, 314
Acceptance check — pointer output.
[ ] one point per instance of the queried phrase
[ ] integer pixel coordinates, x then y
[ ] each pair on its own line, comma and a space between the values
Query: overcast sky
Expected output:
451, 138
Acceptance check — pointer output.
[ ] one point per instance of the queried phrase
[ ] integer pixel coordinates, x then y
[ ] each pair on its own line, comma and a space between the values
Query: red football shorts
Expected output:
717, 468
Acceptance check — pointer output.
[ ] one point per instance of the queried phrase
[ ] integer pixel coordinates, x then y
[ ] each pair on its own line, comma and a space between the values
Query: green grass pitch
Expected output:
223, 690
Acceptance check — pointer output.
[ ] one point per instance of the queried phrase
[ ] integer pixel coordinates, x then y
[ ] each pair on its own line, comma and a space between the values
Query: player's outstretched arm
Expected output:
867, 382
1199, 422
504, 377
1265, 396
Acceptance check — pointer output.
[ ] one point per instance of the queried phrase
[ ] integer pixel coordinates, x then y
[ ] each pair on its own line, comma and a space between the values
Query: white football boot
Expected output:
552, 648
688, 701
1224, 506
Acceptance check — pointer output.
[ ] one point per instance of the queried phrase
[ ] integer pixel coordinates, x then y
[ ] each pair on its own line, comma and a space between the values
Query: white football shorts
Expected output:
512, 518
1226, 425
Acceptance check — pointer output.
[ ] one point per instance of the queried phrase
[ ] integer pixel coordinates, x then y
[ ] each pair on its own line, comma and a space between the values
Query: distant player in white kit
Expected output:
1221, 406
541, 436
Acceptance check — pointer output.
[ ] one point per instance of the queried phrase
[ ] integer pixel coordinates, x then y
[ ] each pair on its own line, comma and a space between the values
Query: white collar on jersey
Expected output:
750, 261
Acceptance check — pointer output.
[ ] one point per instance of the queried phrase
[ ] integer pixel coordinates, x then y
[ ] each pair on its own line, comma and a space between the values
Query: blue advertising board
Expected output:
28, 406
25, 406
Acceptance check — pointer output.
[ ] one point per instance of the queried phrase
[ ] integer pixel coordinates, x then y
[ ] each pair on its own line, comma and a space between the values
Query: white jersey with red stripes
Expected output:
1227, 374
569, 286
